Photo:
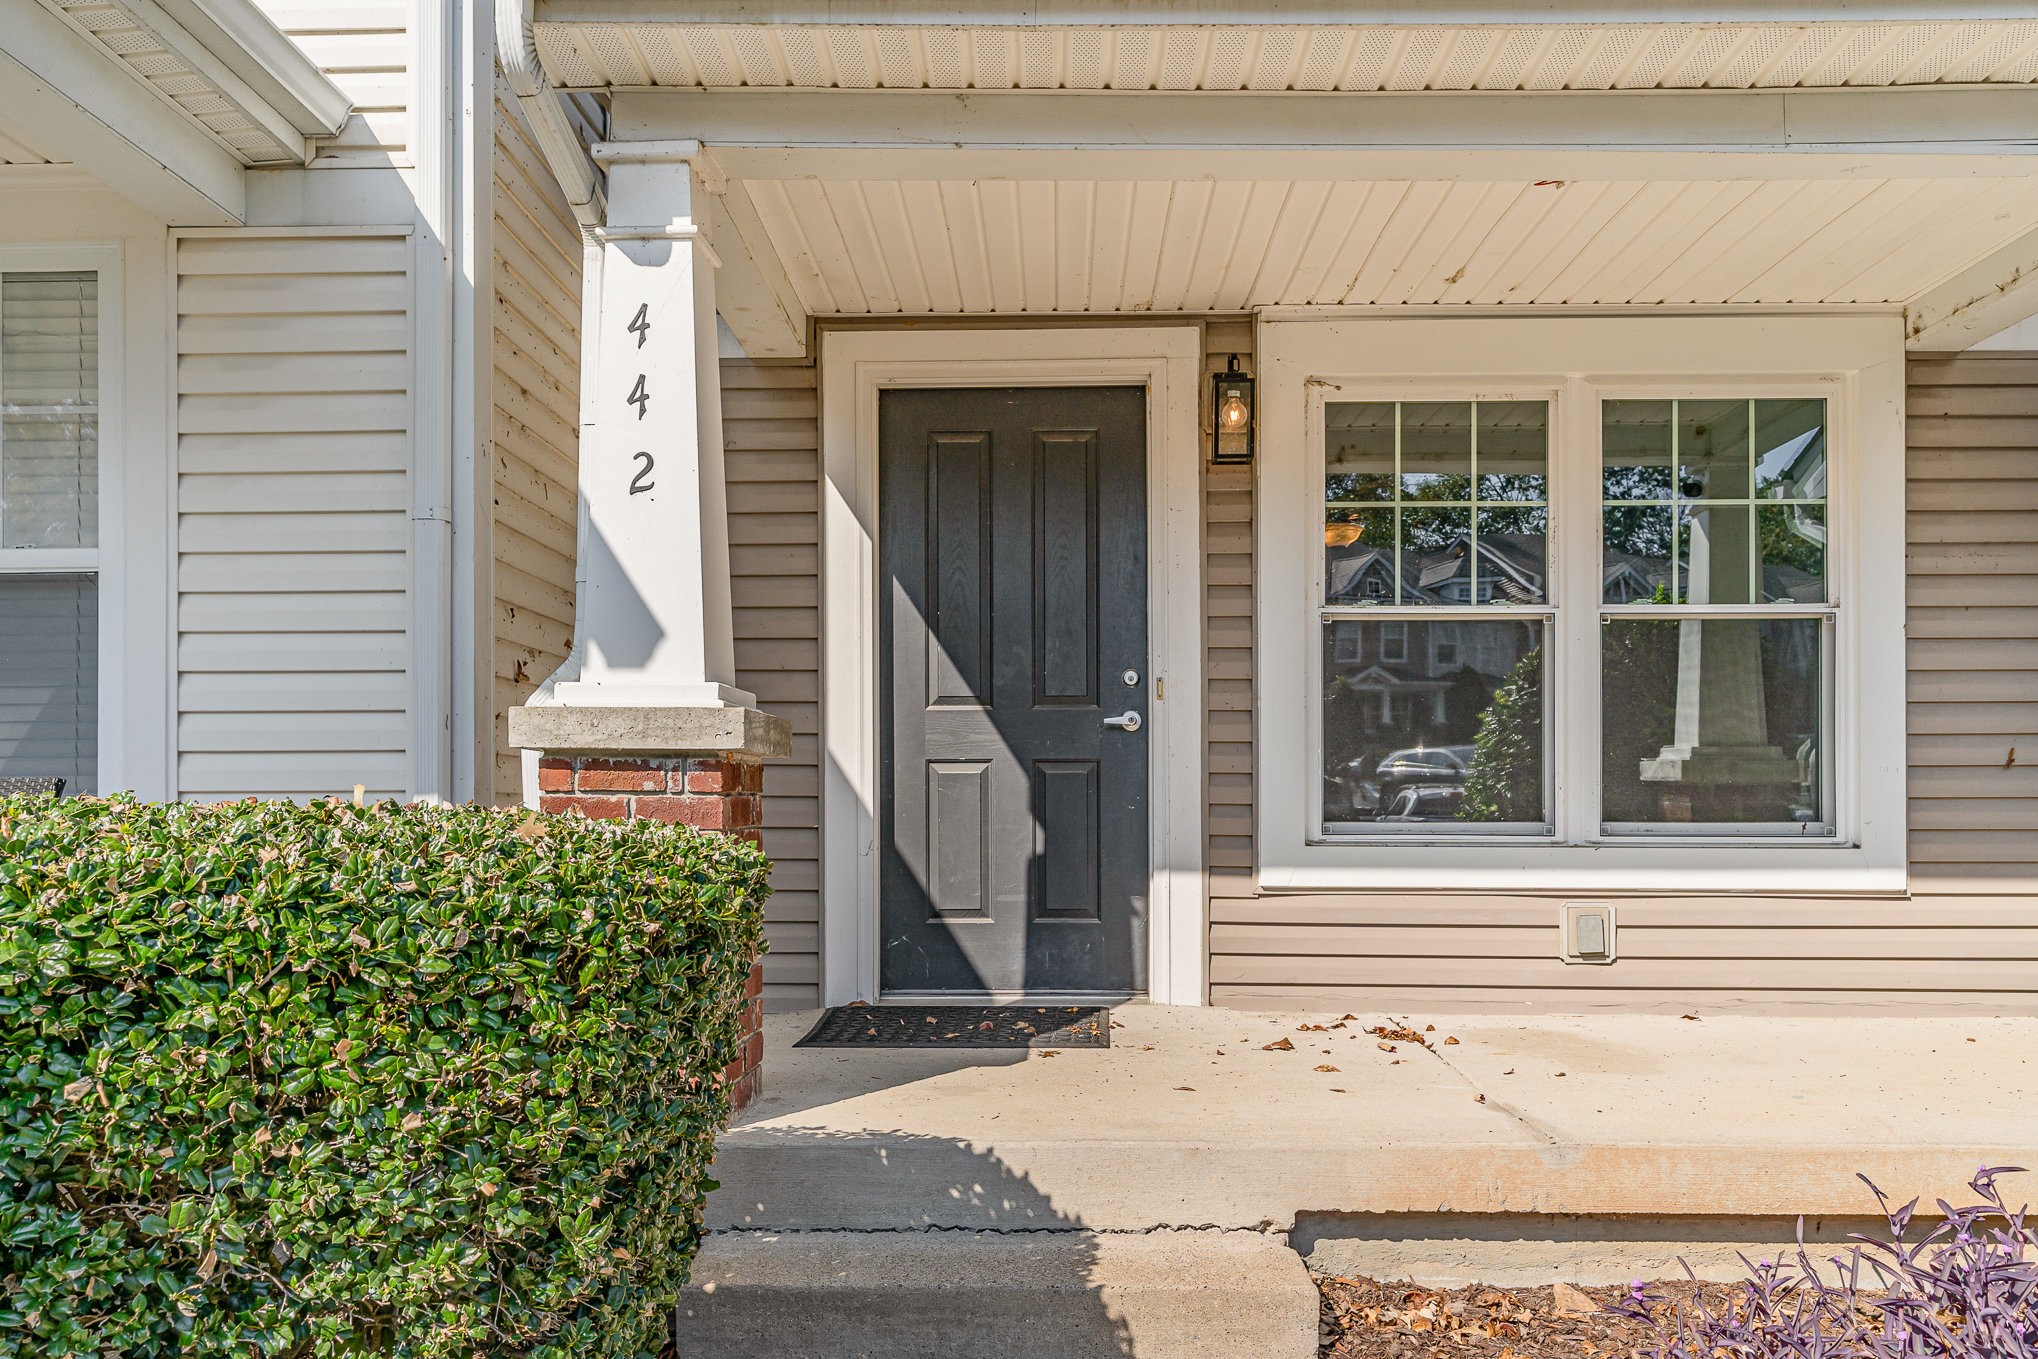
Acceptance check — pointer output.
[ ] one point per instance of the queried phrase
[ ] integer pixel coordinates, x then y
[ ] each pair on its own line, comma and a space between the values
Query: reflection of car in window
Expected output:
1421, 766
1426, 802
1435, 764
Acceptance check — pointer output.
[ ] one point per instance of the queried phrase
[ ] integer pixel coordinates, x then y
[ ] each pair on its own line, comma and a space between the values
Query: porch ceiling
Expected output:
861, 247
584, 45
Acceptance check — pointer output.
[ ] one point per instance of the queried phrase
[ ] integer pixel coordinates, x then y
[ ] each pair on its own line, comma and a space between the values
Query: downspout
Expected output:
516, 47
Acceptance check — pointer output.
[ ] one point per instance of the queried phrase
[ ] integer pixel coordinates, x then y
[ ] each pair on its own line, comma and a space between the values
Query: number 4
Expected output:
640, 324
639, 397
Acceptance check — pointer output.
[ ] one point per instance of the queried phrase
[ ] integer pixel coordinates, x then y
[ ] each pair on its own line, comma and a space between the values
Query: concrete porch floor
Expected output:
1160, 1199
1189, 1121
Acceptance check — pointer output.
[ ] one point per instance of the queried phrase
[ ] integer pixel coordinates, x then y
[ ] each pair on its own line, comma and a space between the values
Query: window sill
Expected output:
1753, 868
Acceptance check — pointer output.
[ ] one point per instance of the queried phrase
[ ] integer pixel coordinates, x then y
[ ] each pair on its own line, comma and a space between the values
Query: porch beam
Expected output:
1906, 125
752, 292
1978, 301
75, 100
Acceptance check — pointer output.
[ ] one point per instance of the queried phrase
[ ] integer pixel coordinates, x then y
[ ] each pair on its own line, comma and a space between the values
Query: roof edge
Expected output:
249, 44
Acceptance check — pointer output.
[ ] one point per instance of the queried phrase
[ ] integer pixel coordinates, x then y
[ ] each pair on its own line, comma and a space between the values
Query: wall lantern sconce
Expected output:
1231, 415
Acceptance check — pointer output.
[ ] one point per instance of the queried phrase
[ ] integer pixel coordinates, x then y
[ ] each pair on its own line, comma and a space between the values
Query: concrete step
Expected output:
997, 1295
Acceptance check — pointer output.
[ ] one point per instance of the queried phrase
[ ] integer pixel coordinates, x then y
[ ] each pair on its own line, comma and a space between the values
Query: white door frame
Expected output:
855, 366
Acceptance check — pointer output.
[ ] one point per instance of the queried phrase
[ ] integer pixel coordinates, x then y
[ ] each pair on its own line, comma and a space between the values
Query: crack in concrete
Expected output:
1529, 1122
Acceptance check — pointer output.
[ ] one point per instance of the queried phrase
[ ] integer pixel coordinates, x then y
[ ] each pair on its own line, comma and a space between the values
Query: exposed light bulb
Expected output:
1232, 414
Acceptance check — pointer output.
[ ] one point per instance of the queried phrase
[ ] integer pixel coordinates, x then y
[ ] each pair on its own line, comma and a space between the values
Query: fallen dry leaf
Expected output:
1189, 1088
1450, 1042
1386, 1047
1479, 1098
1278, 1045
1050, 1052
1326, 1067
1569, 1300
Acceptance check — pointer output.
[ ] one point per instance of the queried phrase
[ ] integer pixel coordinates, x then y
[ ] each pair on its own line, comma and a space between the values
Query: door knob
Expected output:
1126, 721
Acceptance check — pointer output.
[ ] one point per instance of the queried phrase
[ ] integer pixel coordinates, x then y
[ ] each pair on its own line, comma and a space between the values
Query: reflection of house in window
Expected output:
1345, 646
1394, 641
1443, 644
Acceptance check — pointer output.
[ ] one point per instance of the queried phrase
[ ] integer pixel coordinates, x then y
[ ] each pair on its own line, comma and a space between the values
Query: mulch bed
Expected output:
1364, 1319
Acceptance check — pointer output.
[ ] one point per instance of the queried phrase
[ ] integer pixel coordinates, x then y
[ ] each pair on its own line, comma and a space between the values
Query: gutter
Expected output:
516, 47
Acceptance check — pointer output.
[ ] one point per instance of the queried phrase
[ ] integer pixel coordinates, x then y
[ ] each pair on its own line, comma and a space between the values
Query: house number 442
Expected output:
640, 397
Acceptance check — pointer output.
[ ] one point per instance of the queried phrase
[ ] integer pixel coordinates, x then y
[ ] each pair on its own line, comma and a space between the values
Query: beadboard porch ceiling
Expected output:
1001, 166
599, 43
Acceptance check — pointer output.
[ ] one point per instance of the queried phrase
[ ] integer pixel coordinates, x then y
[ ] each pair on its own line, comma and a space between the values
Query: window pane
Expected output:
1639, 539
1358, 556
1716, 721
49, 679
1433, 724
1715, 553
49, 410
1636, 435
1793, 543
1436, 451
1446, 502
1712, 450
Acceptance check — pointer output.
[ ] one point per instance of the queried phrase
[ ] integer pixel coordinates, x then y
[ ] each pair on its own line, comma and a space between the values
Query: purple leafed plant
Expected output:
1967, 1289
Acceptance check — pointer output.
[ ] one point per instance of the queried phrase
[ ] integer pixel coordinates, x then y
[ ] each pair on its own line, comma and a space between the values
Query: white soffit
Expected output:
873, 247
1689, 56
185, 73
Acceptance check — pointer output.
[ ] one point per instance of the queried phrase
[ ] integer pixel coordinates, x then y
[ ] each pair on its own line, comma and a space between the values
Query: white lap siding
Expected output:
365, 47
293, 429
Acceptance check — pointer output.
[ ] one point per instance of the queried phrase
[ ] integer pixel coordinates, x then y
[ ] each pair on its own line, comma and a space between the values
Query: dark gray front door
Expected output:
1012, 561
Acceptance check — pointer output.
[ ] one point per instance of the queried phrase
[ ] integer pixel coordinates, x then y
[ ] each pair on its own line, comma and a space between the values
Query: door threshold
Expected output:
1010, 997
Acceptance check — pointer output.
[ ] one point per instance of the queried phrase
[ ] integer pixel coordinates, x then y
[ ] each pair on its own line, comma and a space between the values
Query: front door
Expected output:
1012, 546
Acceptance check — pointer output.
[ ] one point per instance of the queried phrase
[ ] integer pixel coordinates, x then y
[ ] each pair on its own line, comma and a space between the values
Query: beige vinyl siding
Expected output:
365, 46
1966, 938
293, 529
1973, 626
771, 431
535, 428
1228, 643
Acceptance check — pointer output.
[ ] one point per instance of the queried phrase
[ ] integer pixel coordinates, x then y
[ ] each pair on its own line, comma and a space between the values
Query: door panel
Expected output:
1012, 554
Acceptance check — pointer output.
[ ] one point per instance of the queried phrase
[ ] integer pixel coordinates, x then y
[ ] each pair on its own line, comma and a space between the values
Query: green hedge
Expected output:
287, 1080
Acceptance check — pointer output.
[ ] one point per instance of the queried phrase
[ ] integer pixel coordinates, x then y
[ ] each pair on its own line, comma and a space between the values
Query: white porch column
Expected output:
654, 604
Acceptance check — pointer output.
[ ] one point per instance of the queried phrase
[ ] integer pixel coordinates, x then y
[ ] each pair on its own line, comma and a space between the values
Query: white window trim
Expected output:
855, 366
1855, 362
106, 563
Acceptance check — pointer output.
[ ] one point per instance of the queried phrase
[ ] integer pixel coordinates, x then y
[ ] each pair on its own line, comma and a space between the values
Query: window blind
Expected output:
49, 410
49, 502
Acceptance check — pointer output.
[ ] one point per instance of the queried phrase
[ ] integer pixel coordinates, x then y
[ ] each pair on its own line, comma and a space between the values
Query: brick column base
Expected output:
708, 792
698, 766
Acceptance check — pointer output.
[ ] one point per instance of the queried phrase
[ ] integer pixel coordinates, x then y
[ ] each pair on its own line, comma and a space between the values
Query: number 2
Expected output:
637, 483
640, 324
639, 397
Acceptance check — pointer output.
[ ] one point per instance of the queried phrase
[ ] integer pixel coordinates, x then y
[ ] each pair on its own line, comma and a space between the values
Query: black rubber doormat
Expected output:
961, 1026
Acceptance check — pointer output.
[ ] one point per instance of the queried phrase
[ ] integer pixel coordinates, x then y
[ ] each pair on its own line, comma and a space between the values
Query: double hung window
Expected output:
49, 526
1705, 622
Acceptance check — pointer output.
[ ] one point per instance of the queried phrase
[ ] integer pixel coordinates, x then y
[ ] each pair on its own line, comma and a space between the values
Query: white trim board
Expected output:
855, 367
1856, 362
